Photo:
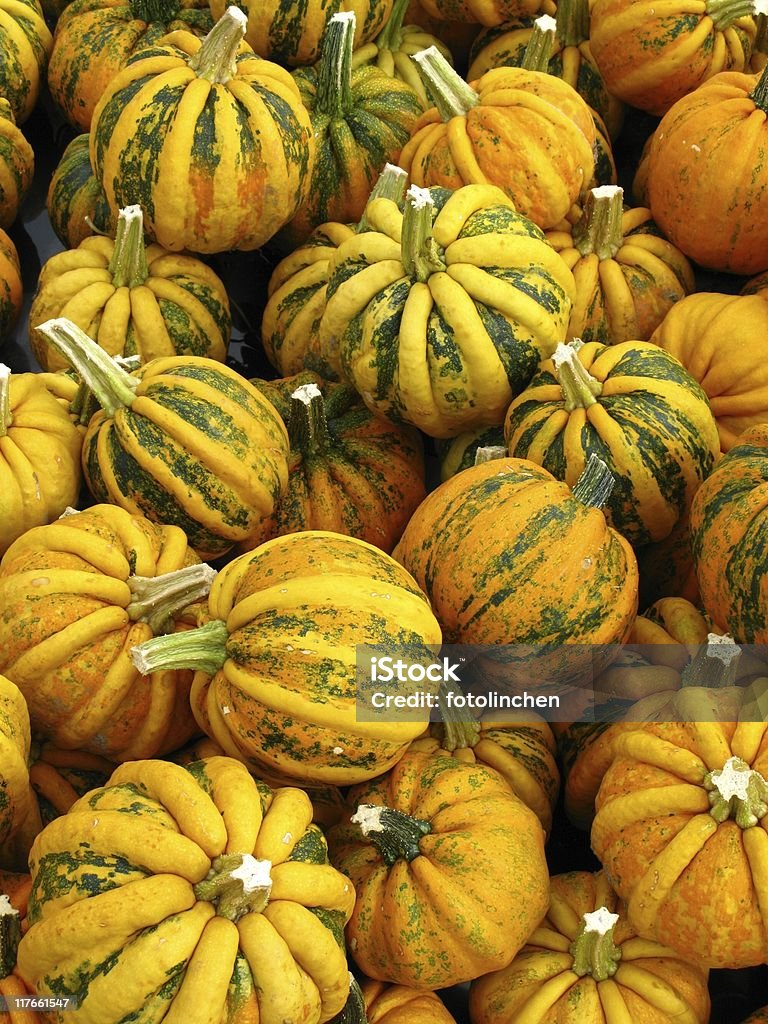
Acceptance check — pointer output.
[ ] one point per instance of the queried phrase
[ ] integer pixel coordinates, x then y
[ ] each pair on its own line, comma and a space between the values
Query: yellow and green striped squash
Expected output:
17, 165
212, 142
76, 197
635, 407
11, 287
187, 894
19, 815
460, 452
25, 45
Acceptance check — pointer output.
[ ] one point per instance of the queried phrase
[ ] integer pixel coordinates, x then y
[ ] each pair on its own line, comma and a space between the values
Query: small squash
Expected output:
11, 287
462, 451
399, 1004
19, 815
76, 204
484, 12
25, 45
17, 165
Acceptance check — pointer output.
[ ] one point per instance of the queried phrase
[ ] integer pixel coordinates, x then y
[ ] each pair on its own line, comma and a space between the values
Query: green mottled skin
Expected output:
459, 452
76, 875
74, 194
25, 43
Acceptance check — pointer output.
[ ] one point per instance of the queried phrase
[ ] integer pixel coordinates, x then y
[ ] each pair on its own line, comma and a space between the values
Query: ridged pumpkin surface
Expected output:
75, 193
423, 916
460, 452
19, 816
398, 1004
134, 885
11, 287
25, 45
486, 12
17, 164
65, 633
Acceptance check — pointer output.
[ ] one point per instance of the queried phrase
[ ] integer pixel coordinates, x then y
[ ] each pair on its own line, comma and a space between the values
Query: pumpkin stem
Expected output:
148, 11
452, 96
572, 18
238, 884
203, 650
539, 48
307, 423
724, 12
390, 184
216, 60
455, 730
10, 936
759, 94
113, 386
354, 1011
394, 834
488, 453
737, 791
391, 36
594, 486
593, 950
334, 69
714, 665
420, 254
84, 404
157, 600
6, 417
598, 230
128, 265
580, 389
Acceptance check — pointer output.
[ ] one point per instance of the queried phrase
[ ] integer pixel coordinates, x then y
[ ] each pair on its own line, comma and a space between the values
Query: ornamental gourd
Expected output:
439, 315
277, 679
208, 894
463, 451
212, 142
484, 12
11, 287
17, 164
399, 1004
19, 814
633, 406
25, 43
76, 204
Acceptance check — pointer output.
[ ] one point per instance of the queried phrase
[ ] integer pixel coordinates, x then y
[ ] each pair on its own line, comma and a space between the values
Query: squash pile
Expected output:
348, 344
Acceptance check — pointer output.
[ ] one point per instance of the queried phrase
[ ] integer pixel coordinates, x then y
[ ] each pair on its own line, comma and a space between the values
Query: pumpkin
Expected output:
727, 526
290, 32
637, 409
206, 196
132, 298
759, 57
60, 777
721, 341
17, 164
11, 288
76, 204
39, 456
25, 44
651, 56
586, 963
666, 567
277, 681
19, 816
290, 326
461, 452
456, 35
439, 315
217, 891
707, 182
73, 603
361, 119
627, 276
758, 1017
682, 803
399, 1004
348, 472
95, 38
186, 441
423, 846
484, 12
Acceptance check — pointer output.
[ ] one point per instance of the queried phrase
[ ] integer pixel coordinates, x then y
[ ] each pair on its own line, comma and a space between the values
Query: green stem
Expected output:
572, 19
216, 60
598, 230
714, 665
580, 389
394, 834
737, 791
334, 69
157, 600
10, 936
354, 1011
307, 423
420, 254
237, 884
759, 94
594, 486
391, 36
128, 265
155, 10
593, 950
456, 729
539, 48
203, 650
390, 184
724, 12
453, 97
489, 453
111, 385
84, 404
6, 418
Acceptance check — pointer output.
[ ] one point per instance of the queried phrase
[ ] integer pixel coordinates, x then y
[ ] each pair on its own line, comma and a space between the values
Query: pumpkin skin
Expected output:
25, 44
460, 452
348, 472
398, 1004
132, 300
711, 207
541, 984
19, 815
650, 57
197, 196
287, 960
468, 323
65, 641
75, 193
660, 844
95, 38
647, 418
758, 1017
17, 165
484, 12
422, 917
11, 287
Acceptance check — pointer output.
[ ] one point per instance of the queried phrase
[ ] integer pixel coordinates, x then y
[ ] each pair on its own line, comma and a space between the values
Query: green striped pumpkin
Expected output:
638, 409
460, 452
17, 165
76, 197
25, 45
212, 142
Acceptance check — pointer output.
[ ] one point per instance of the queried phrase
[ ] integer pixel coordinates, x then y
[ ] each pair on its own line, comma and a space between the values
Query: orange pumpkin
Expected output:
11, 288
